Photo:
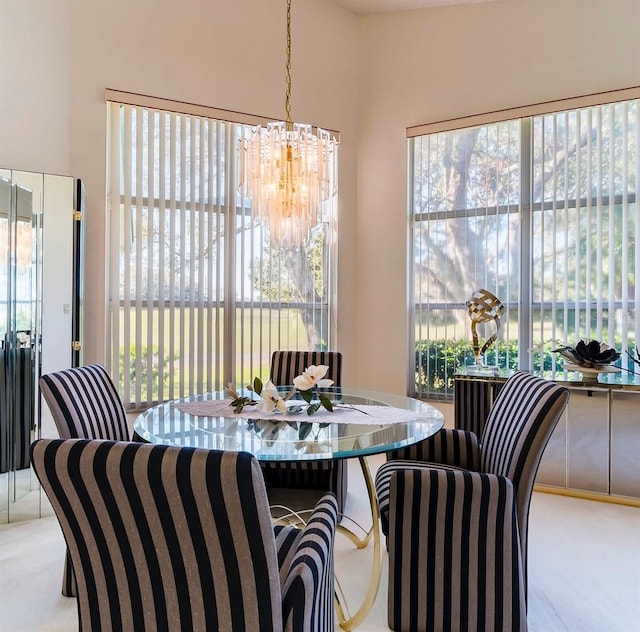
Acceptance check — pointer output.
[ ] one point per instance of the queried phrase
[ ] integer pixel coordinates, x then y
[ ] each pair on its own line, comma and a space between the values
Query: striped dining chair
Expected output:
455, 510
85, 404
170, 538
318, 475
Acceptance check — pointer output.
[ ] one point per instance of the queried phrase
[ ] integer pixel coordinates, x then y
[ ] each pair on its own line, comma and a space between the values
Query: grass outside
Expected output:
201, 335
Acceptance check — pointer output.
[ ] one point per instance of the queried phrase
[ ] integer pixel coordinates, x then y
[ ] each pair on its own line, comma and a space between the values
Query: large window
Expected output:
540, 210
198, 297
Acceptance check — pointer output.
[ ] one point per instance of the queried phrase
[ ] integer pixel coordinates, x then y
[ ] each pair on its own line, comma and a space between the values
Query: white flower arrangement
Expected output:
307, 384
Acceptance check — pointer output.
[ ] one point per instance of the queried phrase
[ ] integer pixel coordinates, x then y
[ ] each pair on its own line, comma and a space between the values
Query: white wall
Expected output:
435, 64
34, 85
369, 77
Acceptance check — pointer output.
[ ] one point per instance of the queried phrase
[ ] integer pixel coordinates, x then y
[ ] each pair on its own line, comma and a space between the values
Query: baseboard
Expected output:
574, 493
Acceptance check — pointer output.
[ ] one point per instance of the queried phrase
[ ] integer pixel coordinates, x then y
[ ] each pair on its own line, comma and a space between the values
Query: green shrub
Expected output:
134, 378
437, 361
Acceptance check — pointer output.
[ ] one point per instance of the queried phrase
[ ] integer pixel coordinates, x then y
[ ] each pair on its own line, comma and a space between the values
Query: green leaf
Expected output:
307, 396
312, 408
305, 429
326, 402
257, 385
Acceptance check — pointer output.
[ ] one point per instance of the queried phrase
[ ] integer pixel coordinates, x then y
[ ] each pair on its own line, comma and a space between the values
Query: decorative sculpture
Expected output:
590, 358
483, 307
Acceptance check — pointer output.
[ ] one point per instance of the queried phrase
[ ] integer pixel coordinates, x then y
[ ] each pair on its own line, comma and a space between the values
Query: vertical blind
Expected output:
198, 297
585, 224
465, 227
540, 210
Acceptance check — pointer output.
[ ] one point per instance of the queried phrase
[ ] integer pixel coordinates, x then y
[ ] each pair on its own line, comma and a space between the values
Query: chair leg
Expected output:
69, 587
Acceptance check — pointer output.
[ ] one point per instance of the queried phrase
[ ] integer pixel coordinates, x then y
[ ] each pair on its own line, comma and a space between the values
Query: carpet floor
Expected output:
584, 568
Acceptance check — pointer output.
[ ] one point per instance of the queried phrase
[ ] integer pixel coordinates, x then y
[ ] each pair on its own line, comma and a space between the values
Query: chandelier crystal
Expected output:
288, 171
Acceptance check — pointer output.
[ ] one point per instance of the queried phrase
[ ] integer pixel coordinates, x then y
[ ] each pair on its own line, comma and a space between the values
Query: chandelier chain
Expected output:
287, 100
289, 171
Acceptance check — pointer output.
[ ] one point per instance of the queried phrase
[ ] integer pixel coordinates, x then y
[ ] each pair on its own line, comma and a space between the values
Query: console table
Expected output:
592, 453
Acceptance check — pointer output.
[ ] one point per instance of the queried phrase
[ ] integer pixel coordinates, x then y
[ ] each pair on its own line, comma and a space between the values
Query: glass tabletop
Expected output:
303, 438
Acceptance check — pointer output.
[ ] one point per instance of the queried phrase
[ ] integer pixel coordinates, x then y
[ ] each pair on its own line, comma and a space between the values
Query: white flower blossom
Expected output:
311, 377
270, 399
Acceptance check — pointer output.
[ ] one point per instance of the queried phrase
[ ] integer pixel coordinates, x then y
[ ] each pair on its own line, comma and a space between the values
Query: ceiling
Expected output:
379, 6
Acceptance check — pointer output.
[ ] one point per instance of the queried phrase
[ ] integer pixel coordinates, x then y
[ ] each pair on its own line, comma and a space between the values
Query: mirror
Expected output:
40, 247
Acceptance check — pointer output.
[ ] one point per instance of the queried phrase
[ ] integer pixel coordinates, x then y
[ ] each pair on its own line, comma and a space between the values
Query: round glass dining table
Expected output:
300, 437
363, 423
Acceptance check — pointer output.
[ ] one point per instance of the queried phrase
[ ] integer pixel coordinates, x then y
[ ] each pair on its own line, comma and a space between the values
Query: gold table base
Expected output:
346, 620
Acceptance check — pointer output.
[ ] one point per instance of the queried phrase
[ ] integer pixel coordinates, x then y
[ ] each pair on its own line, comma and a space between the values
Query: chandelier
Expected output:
288, 171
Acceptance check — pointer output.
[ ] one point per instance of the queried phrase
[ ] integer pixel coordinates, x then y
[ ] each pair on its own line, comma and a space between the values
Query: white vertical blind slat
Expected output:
138, 241
150, 259
211, 245
240, 238
191, 257
162, 195
253, 369
599, 211
229, 362
577, 230
540, 236
173, 189
566, 218
509, 262
219, 324
624, 187
115, 187
126, 262
611, 280
182, 238
589, 227
202, 233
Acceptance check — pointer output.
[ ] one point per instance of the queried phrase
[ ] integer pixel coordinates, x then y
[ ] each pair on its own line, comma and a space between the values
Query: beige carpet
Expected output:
584, 573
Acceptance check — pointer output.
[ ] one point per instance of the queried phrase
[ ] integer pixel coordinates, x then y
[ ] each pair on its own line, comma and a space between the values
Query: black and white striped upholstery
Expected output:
85, 404
169, 538
320, 475
459, 536
472, 401
285, 365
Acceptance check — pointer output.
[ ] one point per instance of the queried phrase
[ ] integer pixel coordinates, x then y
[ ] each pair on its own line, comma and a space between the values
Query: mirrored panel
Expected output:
36, 309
